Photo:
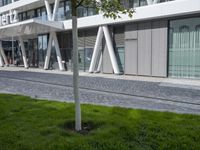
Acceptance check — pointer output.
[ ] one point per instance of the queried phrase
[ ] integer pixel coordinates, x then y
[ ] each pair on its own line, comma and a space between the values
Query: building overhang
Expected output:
165, 11
30, 27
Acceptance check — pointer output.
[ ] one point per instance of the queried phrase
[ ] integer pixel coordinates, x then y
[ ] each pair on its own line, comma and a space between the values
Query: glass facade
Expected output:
120, 55
184, 48
86, 44
42, 49
33, 53
119, 45
64, 12
127, 3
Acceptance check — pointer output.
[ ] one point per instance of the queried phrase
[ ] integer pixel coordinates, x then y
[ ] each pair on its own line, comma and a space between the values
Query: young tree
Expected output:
110, 8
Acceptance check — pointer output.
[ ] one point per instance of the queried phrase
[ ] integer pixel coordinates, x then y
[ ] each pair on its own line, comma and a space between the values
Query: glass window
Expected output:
60, 14
20, 17
82, 11
24, 16
30, 14
184, 48
68, 9
91, 12
38, 13
42, 48
143, 2
43, 13
118, 34
120, 55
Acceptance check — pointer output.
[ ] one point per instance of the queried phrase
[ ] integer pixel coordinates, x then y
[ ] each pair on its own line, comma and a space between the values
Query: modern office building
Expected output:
162, 39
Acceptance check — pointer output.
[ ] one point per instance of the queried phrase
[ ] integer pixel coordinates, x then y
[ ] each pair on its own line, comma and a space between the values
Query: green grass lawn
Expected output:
27, 124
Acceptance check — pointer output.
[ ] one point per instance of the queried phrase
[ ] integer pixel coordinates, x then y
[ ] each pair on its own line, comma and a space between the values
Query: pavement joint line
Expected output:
104, 91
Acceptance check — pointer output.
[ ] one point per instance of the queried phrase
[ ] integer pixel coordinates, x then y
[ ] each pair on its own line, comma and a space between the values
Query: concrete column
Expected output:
48, 54
96, 50
111, 51
3, 54
23, 52
59, 58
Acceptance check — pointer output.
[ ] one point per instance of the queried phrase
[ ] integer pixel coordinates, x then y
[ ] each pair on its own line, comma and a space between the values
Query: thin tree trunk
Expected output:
75, 67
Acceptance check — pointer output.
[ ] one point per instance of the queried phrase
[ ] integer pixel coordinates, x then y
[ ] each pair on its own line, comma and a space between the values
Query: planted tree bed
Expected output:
27, 123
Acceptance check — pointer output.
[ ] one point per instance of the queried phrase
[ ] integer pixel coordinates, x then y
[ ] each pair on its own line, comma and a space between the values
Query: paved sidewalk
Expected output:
161, 94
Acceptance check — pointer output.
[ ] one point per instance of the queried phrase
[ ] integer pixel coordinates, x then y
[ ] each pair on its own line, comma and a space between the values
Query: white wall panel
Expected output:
159, 48
144, 48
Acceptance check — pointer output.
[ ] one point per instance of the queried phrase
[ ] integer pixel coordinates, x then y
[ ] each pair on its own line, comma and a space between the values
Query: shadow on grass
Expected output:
87, 127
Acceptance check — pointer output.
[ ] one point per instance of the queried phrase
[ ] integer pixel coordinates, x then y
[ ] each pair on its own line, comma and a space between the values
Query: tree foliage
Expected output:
110, 8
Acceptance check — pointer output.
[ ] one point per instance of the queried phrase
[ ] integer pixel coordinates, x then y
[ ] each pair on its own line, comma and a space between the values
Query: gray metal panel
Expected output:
159, 48
131, 31
144, 48
107, 66
131, 57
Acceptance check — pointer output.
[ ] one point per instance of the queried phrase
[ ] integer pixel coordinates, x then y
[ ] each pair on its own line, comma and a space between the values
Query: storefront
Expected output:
156, 42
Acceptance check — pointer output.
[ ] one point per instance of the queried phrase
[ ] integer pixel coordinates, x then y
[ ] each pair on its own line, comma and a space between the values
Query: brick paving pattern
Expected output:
103, 91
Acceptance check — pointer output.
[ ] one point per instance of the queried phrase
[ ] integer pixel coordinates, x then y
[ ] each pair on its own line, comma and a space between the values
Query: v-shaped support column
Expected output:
111, 51
100, 63
104, 30
3, 55
96, 50
53, 37
23, 52
48, 54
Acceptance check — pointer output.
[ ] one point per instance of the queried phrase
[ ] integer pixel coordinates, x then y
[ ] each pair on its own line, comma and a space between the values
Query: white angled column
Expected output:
96, 50
1, 61
48, 54
53, 36
100, 63
23, 52
59, 58
3, 54
109, 44
48, 8
56, 5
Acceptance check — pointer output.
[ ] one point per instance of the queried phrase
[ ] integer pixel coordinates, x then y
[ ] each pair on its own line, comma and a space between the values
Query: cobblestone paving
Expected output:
103, 91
